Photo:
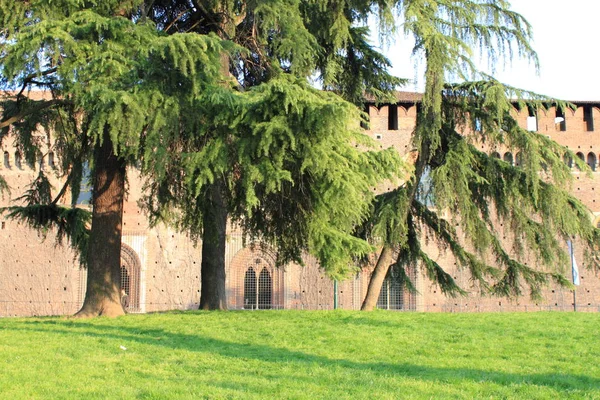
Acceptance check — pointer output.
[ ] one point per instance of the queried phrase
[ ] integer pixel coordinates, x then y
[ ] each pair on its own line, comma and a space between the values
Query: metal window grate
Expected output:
125, 287
130, 279
392, 293
250, 289
265, 290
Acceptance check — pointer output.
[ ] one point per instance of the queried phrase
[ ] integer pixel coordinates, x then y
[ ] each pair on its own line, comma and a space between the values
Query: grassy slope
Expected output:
291, 354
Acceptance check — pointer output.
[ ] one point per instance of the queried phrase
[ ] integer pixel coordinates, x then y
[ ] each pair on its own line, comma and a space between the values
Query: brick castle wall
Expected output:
39, 277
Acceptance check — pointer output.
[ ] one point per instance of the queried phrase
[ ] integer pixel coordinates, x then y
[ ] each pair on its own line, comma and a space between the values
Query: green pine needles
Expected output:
210, 101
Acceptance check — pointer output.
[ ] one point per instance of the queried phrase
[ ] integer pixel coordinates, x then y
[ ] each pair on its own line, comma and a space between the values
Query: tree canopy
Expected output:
211, 101
478, 191
212, 93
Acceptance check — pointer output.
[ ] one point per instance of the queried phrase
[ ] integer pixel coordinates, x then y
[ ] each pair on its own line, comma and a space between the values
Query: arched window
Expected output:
591, 161
130, 279
568, 160
31, 163
580, 156
257, 283
250, 289
258, 294
508, 157
391, 296
51, 160
18, 160
495, 154
519, 159
6, 160
265, 290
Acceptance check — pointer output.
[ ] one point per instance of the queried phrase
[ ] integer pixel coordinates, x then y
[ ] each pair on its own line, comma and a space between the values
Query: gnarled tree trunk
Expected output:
213, 295
103, 295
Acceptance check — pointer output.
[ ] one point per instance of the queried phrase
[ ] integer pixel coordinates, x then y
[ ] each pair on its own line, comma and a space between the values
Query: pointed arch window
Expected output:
130, 279
250, 289
591, 161
265, 290
258, 293
581, 156
519, 159
18, 160
568, 160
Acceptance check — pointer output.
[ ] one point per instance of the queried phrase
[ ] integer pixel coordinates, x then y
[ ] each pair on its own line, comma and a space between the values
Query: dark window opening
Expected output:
580, 156
393, 117
250, 289
568, 160
560, 120
265, 290
591, 161
508, 157
519, 160
365, 123
6, 160
258, 293
31, 163
588, 118
130, 279
18, 160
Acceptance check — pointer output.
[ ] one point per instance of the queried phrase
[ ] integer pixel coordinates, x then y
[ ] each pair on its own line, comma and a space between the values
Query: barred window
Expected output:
250, 289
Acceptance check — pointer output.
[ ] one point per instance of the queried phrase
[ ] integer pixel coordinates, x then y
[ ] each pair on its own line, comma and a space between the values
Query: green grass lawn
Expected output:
303, 354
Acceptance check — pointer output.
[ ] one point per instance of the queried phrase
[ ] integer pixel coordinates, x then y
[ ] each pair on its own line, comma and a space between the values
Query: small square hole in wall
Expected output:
378, 136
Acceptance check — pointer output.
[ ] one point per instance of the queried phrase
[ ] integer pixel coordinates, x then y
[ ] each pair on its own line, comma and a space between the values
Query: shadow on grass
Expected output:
269, 354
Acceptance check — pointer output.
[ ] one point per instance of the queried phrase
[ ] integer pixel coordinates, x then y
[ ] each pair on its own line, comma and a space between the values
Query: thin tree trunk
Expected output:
103, 295
386, 257
377, 278
213, 295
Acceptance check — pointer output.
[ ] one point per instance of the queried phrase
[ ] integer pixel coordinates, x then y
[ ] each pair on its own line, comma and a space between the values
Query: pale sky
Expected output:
567, 39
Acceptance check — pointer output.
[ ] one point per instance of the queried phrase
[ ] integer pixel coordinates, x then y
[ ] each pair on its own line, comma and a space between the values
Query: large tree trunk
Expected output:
213, 295
377, 278
103, 295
